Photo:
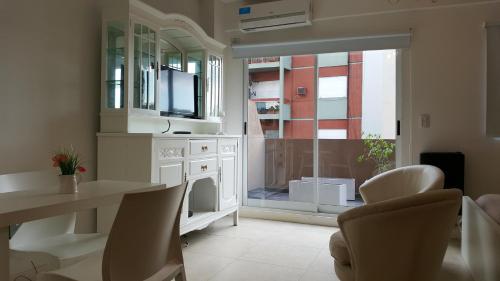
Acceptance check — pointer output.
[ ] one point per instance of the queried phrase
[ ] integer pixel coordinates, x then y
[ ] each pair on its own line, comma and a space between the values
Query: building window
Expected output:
332, 87
332, 134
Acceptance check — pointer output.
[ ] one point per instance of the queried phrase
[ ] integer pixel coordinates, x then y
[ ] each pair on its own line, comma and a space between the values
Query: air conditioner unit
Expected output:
275, 15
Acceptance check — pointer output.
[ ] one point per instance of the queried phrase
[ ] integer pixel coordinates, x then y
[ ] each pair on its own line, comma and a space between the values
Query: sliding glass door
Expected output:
310, 119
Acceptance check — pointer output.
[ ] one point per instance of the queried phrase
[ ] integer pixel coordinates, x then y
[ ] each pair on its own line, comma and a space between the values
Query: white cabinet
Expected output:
228, 174
209, 163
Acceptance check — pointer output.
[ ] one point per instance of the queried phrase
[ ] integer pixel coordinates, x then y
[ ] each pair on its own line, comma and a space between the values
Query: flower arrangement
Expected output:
68, 161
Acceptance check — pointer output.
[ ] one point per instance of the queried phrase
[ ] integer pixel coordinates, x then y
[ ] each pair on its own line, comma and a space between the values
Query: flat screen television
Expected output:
178, 93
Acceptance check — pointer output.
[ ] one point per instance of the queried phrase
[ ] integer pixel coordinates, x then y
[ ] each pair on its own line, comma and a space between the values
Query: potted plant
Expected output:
379, 151
69, 163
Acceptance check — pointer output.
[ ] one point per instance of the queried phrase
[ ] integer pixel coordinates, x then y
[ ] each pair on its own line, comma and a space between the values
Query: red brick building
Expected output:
290, 103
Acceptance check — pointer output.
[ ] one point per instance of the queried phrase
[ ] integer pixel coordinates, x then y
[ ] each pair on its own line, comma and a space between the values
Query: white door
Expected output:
228, 174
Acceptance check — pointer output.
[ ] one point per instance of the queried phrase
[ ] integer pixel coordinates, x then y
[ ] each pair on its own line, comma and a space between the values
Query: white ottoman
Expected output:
332, 194
301, 191
350, 185
329, 193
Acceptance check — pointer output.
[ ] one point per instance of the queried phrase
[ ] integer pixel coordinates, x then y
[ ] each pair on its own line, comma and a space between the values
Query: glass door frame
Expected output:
403, 145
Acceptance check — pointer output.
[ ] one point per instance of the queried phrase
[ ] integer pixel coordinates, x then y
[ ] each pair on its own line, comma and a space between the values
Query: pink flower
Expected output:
81, 169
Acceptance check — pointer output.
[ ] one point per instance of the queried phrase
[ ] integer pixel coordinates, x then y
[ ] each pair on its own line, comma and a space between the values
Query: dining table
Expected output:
46, 201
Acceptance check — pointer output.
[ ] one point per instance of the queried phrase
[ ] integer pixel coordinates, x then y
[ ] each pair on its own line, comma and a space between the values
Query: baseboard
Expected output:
289, 216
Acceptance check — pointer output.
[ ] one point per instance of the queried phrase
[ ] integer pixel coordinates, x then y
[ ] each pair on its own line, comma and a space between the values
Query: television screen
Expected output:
178, 93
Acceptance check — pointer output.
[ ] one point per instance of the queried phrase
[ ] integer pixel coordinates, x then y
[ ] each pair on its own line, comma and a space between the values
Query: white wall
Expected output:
379, 93
49, 82
444, 72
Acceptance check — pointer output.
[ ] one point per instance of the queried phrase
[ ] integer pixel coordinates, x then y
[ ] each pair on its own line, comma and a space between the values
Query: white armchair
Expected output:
400, 182
403, 239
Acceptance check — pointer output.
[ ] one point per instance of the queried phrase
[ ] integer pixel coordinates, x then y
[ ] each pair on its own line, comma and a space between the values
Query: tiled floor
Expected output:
262, 250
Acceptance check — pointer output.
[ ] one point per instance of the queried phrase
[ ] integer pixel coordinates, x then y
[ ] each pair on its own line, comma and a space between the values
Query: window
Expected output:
332, 134
332, 87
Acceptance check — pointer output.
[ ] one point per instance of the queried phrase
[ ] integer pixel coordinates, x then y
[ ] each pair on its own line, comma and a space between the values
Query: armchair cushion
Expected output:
338, 249
344, 272
490, 203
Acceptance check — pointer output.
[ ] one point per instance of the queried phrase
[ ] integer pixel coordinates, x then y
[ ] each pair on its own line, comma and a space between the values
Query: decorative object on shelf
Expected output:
379, 151
69, 163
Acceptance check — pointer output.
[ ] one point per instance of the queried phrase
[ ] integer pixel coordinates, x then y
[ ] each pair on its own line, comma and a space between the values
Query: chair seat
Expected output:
64, 249
89, 269
338, 249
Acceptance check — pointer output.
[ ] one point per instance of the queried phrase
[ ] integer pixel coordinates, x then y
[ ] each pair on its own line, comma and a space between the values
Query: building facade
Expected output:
282, 90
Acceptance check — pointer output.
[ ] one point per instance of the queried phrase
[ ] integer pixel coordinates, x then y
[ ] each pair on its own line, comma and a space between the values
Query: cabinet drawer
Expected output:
201, 147
203, 166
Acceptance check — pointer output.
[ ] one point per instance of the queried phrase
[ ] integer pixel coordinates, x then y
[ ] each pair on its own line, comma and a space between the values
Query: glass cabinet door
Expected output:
115, 65
144, 67
195, 66
214, 86
170, 56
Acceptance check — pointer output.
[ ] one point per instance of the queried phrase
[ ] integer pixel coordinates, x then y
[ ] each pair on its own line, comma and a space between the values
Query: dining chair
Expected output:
144, 242
50, 243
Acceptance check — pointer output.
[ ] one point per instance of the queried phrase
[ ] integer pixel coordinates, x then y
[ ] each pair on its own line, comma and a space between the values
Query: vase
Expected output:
68, 184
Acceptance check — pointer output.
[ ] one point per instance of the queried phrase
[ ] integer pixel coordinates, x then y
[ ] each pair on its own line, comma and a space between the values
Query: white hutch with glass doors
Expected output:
135, 142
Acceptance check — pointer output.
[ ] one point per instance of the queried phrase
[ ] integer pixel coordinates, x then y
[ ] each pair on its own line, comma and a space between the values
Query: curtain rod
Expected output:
272, 44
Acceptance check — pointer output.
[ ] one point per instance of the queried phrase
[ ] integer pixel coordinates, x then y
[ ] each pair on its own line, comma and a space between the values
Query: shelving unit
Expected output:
137, 41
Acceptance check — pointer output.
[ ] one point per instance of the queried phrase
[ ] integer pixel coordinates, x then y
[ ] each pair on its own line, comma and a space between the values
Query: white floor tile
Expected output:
323, 263
255, 271
282, 255
201, 267
311, 275
229, 247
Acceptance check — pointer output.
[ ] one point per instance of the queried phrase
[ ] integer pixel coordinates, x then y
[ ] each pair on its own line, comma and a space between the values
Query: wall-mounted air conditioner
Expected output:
275, 15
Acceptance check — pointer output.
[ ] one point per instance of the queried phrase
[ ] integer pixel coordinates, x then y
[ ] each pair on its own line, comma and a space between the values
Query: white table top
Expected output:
22, 206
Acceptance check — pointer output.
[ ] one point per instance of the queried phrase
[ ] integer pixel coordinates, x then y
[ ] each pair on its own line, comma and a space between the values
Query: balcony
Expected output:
278, 162
263, 64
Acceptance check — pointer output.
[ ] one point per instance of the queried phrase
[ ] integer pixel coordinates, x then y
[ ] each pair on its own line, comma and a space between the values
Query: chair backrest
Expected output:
39, 229
403, 239
402, 181
145, 235
27, 180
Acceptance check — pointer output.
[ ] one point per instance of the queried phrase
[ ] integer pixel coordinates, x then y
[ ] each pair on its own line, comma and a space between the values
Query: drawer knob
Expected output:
204, 167
204, 148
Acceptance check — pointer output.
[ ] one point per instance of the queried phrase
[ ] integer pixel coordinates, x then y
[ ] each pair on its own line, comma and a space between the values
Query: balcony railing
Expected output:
263, 60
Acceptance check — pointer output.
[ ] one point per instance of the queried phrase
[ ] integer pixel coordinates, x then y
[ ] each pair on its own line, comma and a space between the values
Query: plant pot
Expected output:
68, 184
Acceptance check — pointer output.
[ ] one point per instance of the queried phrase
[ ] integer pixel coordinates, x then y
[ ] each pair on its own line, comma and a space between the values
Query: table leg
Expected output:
235, 218
4, 253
